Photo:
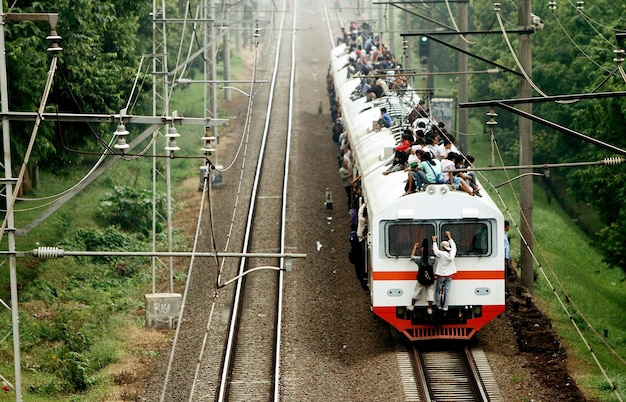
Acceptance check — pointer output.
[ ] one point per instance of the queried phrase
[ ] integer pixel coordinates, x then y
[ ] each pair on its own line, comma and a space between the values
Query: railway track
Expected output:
453, 373
251, 361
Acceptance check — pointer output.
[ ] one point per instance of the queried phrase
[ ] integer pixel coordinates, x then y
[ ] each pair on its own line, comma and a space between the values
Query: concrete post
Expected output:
162, 310
526, 150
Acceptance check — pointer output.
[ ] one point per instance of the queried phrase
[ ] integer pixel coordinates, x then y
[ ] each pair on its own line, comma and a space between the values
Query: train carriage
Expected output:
397, 221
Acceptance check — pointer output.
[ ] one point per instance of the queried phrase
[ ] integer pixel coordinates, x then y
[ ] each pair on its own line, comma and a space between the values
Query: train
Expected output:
395, 220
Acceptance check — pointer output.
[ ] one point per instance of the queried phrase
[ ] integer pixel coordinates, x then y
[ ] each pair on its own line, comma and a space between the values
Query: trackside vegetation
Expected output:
76, 314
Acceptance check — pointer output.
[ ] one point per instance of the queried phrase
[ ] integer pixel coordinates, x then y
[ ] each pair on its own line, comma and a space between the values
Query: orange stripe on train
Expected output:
411, 275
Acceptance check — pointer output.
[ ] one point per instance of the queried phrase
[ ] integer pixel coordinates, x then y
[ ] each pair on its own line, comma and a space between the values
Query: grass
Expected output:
562, 249
573, 286
75, 301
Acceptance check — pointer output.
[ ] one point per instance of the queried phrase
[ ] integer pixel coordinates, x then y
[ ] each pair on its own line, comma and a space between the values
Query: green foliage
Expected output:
95, 71
131, 209
570, 55
109, 240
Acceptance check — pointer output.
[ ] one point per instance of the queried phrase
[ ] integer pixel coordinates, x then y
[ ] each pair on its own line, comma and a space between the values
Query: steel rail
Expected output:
228, 357
450, 374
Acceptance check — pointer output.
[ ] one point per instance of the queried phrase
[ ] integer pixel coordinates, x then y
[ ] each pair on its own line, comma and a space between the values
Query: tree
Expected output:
95, 72
572, 54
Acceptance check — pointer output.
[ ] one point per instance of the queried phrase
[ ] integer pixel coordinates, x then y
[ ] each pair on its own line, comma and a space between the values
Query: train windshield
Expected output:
473, 239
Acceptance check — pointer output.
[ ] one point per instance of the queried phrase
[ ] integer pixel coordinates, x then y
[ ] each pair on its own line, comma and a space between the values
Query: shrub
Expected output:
131, 209
110, 240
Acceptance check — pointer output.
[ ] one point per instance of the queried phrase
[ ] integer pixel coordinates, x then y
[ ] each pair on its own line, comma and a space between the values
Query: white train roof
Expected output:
373, 153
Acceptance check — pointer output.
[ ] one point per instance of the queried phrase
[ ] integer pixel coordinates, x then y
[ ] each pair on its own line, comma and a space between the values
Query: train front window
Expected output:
402, 236
472, 239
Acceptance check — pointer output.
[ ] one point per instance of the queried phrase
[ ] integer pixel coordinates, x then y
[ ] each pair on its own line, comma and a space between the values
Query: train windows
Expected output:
473, 239
400, 237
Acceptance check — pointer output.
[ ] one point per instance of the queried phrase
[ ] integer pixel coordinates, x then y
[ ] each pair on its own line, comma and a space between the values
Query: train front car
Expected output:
397, 221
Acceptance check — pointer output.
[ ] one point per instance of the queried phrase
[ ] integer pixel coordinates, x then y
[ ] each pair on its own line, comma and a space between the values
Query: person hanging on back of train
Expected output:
357, 257
445, 268
425, 277
346, 175
507, 253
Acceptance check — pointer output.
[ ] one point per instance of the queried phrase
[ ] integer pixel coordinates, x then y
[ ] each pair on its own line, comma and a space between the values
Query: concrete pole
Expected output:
392, 27
10, 223
213, 85
381, 13
226, 51
526, 150
463, 125
407, 27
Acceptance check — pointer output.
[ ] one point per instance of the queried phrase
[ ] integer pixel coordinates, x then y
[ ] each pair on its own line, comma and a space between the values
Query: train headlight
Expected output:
477, 311
443, 189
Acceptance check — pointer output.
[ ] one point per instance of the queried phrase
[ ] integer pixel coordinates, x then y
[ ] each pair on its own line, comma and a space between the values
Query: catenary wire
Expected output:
31, 143
540, 268
519, 65
183, 302
576, 44
456, 27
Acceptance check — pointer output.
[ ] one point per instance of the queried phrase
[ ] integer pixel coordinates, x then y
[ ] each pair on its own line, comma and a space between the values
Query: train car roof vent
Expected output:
405, 213
469, 212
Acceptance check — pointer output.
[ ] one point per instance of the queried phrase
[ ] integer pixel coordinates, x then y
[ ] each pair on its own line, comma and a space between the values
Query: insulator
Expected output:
48, 252
496, 6
614, 160
552, 5
492, 118
580, 4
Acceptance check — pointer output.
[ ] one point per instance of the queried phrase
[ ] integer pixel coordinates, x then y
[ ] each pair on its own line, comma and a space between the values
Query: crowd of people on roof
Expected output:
425, 152
370, 60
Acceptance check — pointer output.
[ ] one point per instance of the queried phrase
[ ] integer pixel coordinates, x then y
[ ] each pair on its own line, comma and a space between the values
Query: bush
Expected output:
111, 239
131, 209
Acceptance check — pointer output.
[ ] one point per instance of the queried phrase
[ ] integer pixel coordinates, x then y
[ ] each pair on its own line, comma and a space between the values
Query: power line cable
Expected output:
552, 287
576, 44
519, 65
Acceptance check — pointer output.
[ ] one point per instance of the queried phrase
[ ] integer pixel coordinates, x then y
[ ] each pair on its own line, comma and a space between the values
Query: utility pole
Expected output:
392, 28
407, 42
526, 150
226, 50
463, 126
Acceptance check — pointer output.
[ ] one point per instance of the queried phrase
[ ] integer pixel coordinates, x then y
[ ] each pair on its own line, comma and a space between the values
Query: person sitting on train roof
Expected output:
447, 164
375, 91
420, 123
424, 173
422, 109
418, 143
431, 167
383, 85
399, 83
468, 176
367, 45
444, 147
374, 53
401, 152
445, 268
431, 147
459, 179
384, 120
